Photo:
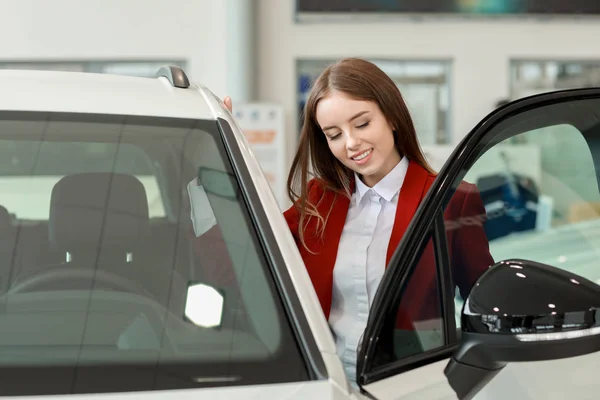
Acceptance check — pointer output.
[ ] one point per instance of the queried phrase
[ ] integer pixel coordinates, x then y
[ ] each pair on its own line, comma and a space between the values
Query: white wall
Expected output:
480, 52
199, 31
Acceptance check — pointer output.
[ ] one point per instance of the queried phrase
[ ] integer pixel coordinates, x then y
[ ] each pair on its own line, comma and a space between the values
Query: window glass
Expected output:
90, 282
415, 324
541, 199
36, 166
537, 76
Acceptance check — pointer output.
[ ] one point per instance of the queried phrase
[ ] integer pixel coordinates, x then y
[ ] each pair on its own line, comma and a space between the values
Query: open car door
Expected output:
528, 326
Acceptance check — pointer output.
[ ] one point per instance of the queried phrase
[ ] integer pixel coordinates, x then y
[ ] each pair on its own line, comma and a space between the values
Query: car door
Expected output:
532, 170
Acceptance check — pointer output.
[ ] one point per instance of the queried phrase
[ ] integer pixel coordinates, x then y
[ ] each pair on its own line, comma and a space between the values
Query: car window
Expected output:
541, 198
96, 295
25, 165
415, 323
417, 326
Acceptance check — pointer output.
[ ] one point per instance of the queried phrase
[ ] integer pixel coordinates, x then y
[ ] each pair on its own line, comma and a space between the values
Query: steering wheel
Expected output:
84, 278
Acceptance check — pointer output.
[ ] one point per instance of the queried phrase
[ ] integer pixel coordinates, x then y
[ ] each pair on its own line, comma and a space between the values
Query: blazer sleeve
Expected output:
471, 255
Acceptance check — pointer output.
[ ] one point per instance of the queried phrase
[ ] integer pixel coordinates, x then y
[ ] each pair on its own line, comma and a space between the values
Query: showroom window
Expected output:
142, 68
528, 77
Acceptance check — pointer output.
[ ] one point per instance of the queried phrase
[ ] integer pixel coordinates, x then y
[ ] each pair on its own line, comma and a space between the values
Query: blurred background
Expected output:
454, 60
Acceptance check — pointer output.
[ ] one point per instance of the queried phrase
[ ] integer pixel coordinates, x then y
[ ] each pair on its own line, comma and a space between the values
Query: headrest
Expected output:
93, 211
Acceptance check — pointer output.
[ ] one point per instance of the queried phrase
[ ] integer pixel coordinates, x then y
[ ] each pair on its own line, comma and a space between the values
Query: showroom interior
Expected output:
454, 61
452, 68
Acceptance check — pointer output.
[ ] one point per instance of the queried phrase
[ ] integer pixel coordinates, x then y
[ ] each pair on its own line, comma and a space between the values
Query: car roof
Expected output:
97, 93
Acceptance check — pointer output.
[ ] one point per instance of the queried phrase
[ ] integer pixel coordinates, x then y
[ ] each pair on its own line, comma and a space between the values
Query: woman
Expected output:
368, 178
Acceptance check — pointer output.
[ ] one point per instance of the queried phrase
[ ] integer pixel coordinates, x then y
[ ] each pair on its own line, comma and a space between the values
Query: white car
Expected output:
142, 253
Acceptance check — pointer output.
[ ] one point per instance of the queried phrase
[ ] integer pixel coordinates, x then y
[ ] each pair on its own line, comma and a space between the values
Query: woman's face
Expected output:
358, 135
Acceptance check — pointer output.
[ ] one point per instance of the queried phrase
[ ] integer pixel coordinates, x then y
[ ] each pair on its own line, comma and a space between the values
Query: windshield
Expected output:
125, 242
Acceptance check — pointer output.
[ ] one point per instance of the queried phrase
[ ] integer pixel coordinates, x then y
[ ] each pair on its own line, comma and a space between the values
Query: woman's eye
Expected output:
333, 137
363, 125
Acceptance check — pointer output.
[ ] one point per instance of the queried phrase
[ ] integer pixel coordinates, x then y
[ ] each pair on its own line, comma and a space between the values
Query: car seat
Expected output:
98, 221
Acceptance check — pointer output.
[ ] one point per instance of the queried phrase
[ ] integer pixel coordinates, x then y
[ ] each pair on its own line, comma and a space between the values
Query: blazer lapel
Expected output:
409, 199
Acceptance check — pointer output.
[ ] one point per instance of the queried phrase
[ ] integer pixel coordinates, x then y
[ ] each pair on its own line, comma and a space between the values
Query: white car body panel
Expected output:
289, 391
428, 382
523, 381
99, 93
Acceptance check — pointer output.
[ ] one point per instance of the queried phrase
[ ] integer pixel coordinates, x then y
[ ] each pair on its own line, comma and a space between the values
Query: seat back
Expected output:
98, 220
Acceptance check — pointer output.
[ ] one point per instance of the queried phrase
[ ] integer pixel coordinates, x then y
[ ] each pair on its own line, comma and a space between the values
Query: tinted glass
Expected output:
415, 324
537, 177
126, 243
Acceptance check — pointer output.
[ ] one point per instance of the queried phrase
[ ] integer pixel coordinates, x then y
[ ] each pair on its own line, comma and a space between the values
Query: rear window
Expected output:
128, 261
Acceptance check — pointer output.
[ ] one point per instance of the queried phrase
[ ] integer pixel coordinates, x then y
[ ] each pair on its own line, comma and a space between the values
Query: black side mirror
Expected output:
523, 311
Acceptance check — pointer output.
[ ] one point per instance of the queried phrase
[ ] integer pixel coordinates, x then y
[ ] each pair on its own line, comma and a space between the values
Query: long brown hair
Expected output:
360, 80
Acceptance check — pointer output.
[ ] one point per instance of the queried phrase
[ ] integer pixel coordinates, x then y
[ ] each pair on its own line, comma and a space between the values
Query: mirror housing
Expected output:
520, 310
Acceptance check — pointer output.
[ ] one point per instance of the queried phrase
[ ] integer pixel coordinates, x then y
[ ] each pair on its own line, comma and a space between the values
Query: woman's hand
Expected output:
228, 103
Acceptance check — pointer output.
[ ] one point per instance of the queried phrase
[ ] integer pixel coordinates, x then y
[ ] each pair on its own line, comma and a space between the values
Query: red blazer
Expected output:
466, 238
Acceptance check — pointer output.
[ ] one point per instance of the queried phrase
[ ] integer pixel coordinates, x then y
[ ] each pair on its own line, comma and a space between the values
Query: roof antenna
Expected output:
175, 75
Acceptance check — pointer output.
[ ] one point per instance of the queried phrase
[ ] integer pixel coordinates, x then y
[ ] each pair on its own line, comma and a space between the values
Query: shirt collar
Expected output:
389, 186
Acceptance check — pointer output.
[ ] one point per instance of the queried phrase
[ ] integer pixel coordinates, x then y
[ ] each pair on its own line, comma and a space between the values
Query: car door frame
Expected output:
427, 220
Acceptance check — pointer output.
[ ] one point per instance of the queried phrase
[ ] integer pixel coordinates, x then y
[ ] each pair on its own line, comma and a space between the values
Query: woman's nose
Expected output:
353, 142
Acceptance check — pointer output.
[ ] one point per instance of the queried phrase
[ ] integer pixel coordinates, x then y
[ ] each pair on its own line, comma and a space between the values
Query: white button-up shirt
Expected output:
361, 259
